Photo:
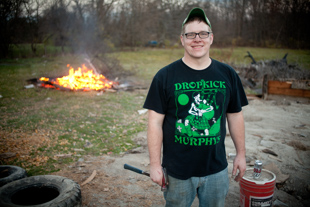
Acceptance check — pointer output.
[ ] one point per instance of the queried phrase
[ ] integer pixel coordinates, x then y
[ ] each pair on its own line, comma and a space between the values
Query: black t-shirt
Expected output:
195, 103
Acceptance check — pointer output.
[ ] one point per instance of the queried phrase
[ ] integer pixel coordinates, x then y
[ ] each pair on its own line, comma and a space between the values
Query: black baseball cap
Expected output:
197, 12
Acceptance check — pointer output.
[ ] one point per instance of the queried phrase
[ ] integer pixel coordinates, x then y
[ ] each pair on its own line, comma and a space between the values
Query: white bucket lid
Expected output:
266, 176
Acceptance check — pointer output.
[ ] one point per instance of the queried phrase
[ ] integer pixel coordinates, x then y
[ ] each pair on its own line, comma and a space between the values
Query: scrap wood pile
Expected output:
253, 76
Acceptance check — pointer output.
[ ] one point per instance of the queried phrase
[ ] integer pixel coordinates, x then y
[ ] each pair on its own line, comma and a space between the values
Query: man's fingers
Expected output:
239, 167
157, 176
240, 174
238, 177
157, 181
234, 172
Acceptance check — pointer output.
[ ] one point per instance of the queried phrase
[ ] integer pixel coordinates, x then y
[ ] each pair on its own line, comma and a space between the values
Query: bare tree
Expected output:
96, 25
33, 10
11, 24
57, 22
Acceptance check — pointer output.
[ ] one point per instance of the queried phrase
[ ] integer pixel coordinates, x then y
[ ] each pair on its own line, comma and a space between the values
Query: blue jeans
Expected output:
211, 190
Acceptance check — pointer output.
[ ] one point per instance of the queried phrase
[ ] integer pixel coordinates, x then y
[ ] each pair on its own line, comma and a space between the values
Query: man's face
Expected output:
197, 48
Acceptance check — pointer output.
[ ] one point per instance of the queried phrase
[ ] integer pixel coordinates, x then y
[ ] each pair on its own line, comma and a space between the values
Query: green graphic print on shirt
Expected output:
199, 109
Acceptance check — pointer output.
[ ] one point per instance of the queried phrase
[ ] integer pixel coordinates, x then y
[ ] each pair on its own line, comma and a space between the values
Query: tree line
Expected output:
96, 26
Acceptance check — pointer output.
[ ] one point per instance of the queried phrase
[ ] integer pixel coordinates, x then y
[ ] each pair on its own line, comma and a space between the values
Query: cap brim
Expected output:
197, 12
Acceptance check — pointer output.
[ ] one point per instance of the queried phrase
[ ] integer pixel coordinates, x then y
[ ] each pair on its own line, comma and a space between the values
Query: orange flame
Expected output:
81, 79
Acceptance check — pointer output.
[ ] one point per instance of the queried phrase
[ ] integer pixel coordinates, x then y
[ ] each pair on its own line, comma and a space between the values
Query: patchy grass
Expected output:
46, 128
147, 62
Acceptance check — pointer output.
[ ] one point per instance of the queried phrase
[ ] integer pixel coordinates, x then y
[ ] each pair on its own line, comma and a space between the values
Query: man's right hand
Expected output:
156, 174
155, 142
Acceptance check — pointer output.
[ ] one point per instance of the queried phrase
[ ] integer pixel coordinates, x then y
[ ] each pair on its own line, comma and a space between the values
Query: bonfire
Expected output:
82, 79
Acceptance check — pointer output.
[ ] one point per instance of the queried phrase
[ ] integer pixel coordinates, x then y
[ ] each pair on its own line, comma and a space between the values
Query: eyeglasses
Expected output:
202, 35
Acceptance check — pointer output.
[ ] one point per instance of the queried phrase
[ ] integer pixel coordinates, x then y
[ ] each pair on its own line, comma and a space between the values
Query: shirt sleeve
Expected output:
155, 99
238, 97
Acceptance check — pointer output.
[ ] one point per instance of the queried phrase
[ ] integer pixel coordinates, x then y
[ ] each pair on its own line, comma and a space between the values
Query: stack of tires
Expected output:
18, 190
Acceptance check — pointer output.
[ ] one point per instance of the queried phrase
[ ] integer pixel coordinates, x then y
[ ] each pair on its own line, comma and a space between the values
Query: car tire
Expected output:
9, 173
41, 191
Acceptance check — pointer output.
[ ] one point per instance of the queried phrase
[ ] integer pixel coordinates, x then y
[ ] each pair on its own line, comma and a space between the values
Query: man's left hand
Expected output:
239, 164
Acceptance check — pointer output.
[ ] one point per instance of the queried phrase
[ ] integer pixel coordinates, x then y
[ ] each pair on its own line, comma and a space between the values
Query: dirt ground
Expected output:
277, 132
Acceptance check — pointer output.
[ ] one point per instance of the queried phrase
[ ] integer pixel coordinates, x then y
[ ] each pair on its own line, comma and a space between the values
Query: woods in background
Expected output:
96, 26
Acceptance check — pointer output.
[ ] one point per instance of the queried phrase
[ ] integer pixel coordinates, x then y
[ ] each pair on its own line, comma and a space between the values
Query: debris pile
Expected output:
253, 76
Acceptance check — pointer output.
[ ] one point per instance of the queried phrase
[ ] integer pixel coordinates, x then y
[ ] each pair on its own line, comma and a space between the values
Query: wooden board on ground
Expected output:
285, 88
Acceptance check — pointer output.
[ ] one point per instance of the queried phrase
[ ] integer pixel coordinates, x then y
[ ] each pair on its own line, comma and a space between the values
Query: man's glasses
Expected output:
202, 35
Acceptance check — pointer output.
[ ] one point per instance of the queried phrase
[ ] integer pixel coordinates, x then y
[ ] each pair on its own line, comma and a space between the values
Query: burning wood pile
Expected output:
82, 79
256, 76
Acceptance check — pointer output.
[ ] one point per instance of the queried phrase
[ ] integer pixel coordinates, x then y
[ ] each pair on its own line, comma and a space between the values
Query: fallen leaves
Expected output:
39, 160
63, 142
24, 146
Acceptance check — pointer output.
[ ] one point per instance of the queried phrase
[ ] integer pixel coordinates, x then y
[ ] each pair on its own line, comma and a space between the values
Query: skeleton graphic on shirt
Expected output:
201, 121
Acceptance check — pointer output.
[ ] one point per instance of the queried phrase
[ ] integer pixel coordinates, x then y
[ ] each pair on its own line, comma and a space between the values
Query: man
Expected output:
189, 101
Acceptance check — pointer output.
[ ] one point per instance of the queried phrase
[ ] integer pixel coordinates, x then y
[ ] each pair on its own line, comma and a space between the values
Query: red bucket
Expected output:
254, 193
